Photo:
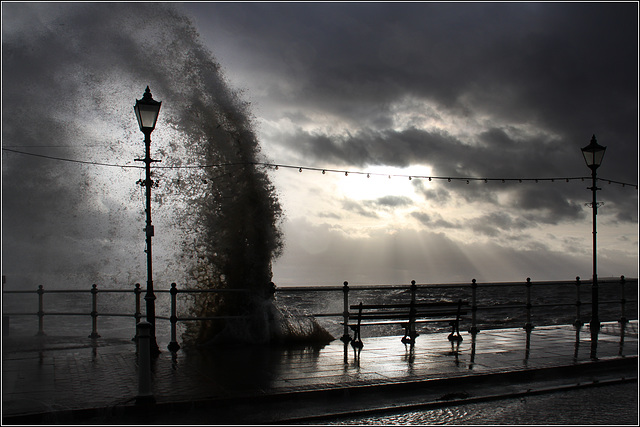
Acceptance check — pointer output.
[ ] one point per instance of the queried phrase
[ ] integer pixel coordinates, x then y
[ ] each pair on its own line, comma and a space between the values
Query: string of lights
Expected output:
276, 166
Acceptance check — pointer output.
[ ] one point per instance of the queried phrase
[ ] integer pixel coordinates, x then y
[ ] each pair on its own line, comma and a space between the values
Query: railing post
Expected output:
94, 312
474, 307
145, 395
623, 319
528, 326
40, 310
173, 345
410, 331
137, 291
578, 322
412, 313
345, 313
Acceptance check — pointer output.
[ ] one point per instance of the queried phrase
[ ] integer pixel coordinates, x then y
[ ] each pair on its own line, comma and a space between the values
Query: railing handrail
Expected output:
323, 288
88, 291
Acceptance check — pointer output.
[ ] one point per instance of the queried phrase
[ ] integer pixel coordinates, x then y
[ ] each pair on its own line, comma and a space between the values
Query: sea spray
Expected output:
79, 68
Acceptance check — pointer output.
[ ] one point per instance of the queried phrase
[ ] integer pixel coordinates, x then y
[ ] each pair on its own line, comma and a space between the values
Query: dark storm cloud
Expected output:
369, 208
433, 220
493, 224
540, 78
358, 208
389, 202
559, 65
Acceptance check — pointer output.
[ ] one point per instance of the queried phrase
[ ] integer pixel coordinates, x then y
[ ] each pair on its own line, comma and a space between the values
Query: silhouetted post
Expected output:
578, 322
147, 110
40, 310
94, 312
345, 313
145, 395
623, 318
528, 326
412, 315
474, 308
593, 154
173, 345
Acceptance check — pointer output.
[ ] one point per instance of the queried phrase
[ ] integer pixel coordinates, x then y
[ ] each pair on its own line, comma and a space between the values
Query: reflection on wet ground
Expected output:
46, 374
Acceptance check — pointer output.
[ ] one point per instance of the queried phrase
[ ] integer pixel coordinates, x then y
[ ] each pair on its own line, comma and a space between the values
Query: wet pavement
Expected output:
61, 380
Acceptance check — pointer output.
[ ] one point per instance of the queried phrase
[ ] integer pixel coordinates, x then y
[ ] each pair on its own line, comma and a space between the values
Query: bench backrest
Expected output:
407, 310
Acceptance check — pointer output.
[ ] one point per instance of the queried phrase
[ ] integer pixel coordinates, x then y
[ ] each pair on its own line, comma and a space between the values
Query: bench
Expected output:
408, 315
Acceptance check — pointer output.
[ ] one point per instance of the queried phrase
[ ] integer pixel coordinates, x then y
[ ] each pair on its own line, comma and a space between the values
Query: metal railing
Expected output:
473, 288
174, 318
95, 313
526, 305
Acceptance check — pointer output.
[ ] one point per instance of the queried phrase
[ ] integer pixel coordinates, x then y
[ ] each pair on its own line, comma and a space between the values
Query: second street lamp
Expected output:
593, 154
147, 110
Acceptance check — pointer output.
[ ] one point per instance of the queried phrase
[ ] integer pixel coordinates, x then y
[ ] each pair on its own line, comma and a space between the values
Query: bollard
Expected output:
145, 395
528, 326
40, 310
94, 312
173, 345
345, 313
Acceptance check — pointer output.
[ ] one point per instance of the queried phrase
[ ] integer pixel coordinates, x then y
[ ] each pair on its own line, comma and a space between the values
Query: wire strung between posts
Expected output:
276, 166
432, 178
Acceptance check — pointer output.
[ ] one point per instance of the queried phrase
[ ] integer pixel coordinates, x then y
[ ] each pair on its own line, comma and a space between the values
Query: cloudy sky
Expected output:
464, 90
479, 90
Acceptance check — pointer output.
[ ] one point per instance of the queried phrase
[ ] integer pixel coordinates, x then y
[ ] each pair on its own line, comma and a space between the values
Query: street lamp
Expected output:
147, 110
593, 154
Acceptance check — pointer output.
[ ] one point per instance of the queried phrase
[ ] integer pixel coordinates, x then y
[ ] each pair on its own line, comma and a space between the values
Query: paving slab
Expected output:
67, 380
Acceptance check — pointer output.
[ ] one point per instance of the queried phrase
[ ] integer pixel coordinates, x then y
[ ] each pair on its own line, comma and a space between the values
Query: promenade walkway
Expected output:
49, 380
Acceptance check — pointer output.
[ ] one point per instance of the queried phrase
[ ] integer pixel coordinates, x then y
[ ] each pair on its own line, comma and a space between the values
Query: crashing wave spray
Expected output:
85, 59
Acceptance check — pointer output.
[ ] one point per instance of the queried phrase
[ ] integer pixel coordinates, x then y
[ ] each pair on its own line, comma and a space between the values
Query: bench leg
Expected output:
408, 338
455, 332
357, 341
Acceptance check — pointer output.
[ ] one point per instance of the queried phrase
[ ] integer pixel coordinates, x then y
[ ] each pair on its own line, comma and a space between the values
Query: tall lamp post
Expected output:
147, 110
593, 154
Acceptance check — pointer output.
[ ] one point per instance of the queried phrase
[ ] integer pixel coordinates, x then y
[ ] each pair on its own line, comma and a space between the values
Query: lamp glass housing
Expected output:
147, 110
593, 153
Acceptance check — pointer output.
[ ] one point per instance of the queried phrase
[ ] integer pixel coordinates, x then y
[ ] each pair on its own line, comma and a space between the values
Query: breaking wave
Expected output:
219, 221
